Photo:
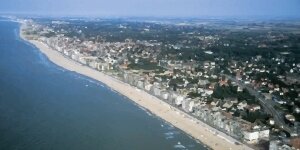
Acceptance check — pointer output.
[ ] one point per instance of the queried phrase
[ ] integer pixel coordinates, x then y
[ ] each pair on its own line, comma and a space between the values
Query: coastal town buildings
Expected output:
230, 95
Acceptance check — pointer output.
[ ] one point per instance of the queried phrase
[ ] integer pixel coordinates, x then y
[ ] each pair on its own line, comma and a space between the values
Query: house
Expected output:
268, 96
156, 90
239, 89
251, 136
227, 104
200, 90
206, 64
208, 92
253, 107
242, 105
247, 82
179, 100
297, 110
81, 60
140, 84
234, 100
271, 121
290, 118
278, 145
254, 134
223, 82
188, 105
215, 102
148, 87
165, 95
212, 64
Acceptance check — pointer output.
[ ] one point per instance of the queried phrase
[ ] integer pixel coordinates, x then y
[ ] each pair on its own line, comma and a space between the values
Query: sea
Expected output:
46, 107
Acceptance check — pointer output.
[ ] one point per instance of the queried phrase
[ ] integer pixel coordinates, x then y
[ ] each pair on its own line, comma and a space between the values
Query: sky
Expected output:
154, 8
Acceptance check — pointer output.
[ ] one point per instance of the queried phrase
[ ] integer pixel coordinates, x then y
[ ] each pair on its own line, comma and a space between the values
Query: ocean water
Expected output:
45, 107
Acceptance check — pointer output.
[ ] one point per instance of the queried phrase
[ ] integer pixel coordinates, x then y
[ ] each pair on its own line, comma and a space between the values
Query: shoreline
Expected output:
179, 119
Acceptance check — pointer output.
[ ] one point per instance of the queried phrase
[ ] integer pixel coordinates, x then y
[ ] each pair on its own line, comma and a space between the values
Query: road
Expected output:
267, 104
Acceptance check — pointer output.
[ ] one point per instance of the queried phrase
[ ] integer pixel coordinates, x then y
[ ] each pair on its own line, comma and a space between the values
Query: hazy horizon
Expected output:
155, 8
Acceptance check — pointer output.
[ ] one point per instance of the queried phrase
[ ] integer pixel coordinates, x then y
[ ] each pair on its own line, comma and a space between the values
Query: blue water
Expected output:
45, 107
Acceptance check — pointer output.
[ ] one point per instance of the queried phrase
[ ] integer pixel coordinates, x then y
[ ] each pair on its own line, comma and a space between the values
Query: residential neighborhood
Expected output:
251, 96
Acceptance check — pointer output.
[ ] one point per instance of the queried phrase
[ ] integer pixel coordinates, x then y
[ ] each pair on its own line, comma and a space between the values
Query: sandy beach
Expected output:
197, 129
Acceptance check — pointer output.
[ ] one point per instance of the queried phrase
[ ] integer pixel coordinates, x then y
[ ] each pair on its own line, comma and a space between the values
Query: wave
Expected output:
179, 146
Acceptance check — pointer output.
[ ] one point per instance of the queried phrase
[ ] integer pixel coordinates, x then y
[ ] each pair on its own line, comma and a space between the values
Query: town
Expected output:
241, 78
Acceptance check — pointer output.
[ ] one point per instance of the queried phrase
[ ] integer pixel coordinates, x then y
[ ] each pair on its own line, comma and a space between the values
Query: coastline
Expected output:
197, 129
